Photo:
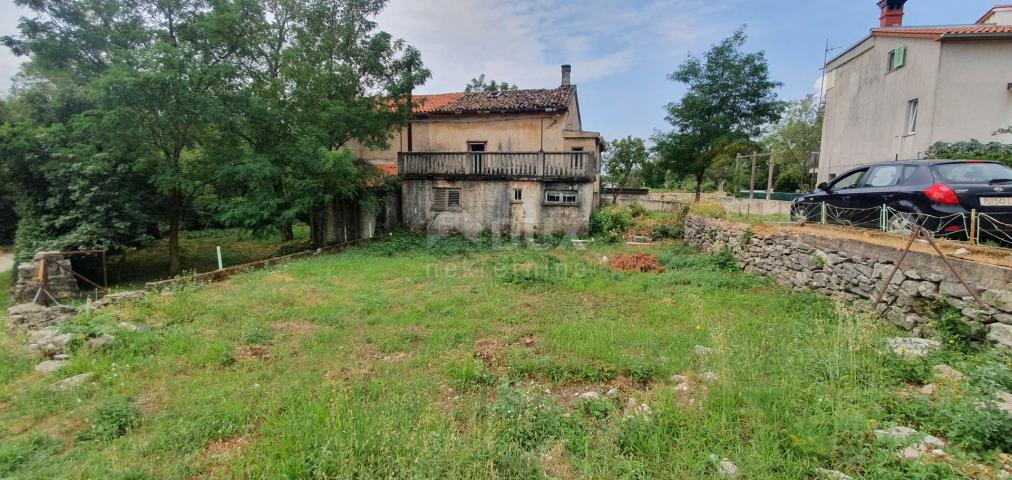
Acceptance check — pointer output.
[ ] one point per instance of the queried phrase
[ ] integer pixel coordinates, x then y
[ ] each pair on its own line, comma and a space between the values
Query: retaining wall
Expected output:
853, 270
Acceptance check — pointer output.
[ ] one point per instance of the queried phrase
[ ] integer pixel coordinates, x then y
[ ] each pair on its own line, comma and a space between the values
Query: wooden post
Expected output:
105, 272
769, 177
751, 183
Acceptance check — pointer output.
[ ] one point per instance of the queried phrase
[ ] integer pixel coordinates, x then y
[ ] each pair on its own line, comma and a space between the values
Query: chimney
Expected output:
892, 13
567, 74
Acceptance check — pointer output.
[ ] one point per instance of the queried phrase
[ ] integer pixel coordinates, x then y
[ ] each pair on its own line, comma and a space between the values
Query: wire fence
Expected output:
975, 228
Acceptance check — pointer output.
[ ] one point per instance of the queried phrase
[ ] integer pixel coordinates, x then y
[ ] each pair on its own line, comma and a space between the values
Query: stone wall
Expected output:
853, 270
62, 285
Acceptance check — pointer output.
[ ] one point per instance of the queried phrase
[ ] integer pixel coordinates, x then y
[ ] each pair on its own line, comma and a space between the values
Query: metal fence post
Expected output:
822, 213
884, 218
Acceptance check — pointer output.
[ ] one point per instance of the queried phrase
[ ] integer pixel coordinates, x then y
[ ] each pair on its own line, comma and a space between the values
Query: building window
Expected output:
897, 59
912, 107
445, 198
476, 146
518, 194
561, 197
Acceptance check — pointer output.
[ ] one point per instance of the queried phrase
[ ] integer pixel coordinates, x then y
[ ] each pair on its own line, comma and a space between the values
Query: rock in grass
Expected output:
590, 396
683, 387
928, 389
725, 468
832, 474
101, 342
709, 377
962, 252
946, 373
912, 347
895, 433
613, 392
702, 351
50, 366
1001, 334
73, 382
679, 378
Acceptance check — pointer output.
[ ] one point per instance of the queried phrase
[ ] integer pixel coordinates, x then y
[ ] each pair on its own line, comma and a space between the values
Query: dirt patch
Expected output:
347, 374
6, 261
297, 328
556, 464
636, 262
254, 352
979, 253
490, 351
215, 456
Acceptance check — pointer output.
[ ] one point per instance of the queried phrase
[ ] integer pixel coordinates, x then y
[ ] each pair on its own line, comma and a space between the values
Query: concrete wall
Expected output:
488, 204
973, 99
855, 271
866, 109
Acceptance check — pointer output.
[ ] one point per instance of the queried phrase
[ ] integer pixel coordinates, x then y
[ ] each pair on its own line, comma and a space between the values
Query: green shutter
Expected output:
899, 57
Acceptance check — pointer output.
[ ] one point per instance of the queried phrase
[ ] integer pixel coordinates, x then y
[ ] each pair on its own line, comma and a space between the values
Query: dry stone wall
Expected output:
62, 284
852, 270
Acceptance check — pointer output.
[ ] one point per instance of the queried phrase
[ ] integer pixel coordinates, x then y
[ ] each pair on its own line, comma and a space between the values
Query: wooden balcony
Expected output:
551, 166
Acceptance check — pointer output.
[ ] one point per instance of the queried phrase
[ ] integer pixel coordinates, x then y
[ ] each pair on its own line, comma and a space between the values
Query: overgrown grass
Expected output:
715, 210
417, 359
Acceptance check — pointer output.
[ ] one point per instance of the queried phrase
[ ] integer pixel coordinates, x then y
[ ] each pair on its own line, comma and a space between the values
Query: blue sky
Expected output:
621, 50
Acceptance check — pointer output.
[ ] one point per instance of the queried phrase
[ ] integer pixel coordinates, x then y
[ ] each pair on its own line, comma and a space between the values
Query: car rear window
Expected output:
971, 172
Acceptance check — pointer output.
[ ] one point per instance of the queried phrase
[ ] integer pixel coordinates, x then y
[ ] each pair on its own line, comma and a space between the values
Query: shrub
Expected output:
609, 223
673, 231
530, 419
637, 209
724, 260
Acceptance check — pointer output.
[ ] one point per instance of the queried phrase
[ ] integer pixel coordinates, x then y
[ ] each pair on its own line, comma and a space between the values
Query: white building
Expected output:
902, 89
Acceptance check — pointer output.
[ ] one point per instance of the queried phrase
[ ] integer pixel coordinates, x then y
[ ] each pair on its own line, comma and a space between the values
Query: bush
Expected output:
724, 260
111, 421
609, 223
637, 210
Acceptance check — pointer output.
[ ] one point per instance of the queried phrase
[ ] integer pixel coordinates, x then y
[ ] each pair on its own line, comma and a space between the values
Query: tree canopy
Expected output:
730, 98
623, 156
794, 138
130, 116
479, 84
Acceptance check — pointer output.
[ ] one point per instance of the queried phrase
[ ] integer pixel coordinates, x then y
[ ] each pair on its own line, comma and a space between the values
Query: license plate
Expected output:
996, 201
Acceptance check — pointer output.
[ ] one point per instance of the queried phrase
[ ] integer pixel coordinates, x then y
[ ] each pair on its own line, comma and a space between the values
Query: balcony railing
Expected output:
540, 165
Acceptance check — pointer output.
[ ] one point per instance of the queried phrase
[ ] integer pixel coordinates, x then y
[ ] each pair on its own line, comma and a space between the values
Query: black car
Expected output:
937, 194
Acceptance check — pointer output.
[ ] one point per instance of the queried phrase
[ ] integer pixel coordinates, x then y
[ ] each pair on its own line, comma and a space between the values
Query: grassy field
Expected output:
401, 360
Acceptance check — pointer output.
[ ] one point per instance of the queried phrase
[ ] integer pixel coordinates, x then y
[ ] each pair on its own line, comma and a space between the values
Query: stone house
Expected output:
515, 161
903, 88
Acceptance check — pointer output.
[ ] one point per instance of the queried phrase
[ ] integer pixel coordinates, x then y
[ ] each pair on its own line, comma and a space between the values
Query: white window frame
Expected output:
913, 109
562, 197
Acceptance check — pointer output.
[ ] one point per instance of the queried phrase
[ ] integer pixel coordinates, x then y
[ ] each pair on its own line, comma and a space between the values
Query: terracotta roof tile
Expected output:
941, 31
506, 101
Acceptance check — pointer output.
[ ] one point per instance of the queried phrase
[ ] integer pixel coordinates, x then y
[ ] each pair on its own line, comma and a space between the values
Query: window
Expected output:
518, 195
476, 146
850, 180
912, 116
897, 59
561, 197
884, 176
445, 198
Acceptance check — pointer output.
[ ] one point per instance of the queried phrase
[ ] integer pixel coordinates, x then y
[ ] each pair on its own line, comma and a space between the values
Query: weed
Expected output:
469, 376
724, 260
530, 419
609, 223
111, 421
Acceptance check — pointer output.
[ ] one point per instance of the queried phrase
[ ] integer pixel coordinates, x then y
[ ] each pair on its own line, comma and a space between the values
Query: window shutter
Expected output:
899, 57
439, 198
453, 197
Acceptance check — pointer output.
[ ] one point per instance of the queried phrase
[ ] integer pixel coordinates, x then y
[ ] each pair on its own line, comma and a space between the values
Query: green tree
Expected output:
795, 137
480, 85
623, 156
321, 77
730, 98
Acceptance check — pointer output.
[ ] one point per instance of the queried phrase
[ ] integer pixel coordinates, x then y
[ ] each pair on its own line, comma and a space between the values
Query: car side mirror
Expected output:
824, 187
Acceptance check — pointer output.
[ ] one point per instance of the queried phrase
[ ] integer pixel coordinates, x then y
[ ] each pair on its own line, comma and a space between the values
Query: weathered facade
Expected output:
513, 162
902, 89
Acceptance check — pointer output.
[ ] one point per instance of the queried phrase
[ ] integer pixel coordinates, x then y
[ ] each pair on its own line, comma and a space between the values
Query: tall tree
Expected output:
730, 98
322, 76
795, 138
623, 156
479, 84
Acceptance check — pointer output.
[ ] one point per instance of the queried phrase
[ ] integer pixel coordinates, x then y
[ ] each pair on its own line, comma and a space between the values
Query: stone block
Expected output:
1000, 299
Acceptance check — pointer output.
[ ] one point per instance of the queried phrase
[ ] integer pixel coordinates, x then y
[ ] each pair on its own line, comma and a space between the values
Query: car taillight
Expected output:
952, 229
942, 193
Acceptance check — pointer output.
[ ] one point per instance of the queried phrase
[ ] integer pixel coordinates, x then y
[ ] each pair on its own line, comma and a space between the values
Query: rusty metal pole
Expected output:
913, 236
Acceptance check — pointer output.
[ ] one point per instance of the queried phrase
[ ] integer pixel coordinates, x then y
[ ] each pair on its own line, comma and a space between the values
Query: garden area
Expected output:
417, 358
